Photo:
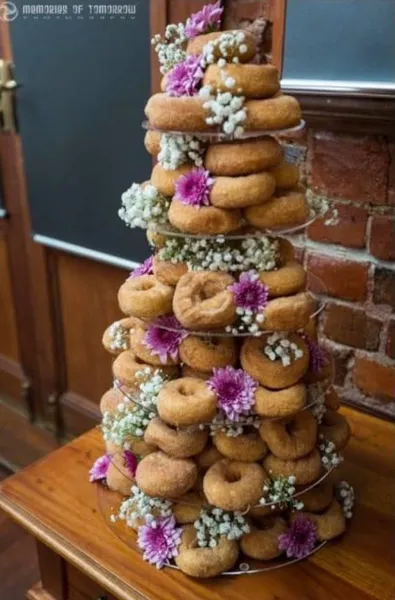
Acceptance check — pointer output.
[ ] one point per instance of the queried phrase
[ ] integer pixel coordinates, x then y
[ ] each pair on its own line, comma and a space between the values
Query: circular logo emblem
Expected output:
8, 11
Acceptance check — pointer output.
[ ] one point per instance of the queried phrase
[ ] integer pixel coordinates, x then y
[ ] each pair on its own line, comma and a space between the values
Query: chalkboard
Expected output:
85, 79
341, 41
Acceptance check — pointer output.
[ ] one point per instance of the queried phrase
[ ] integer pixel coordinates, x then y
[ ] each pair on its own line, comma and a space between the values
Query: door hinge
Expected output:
8, 86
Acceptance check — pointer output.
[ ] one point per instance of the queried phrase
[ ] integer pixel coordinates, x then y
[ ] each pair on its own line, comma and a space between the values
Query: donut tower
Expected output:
222, 429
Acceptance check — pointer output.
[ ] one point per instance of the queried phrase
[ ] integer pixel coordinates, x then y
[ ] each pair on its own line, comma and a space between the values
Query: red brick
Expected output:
351, 327
342, 278
384, 287
382, 237
349, 231
350, 167
390, 347
391, 175
375, 379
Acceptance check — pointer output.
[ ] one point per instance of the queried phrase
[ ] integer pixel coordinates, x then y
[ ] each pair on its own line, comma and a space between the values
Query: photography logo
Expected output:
8, 11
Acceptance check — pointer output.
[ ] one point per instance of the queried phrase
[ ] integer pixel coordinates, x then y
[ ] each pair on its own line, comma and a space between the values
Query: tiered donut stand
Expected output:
222, 429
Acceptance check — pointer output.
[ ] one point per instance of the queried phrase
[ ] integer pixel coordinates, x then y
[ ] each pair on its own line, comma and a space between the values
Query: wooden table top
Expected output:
54, 501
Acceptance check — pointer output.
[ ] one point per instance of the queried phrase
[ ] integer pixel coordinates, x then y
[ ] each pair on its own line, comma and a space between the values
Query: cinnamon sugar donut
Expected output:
288, 208
272, 373
289, 313
335, 428
187, 508
119, 477
116, 337
187, 371
253, 81
318, 498
286, 280
165, 180
186, 401
138, 446
208, 457
202, 300
243, 191
205, 562
306, 469
196, 45
144, 353
206, 354
110, 401
332, 400
243, 157
280, 403
145, 297
167, 272
329, 524
162, 476
208, 220
290, 439
234, 485
170, 113
179, 443
286, 175
262, 541
248, 447
273, 113
126, 366
152, 142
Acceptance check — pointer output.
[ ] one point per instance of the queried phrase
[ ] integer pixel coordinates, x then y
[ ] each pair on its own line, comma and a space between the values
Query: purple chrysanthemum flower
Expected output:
185, 77
300, 538
147, 268
206, 20
164, 337
249, 293
159, 538
194, 187
99, 469
318, 359
235, 391
130, 461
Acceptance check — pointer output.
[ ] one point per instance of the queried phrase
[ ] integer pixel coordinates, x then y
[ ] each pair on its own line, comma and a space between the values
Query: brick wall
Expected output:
355, 258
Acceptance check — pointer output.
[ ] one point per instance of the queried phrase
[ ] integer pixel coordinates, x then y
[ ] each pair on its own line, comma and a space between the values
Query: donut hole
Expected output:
185, 389
265, 523
144, 285
232, 475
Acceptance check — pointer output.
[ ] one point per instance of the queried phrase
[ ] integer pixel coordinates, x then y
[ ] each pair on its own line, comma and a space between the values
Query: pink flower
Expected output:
145, 269
206, 20
164, 337
300, 538
249, 293
99, 469
235, 391
159, 538
185, 77
194, 187
318, 359
130, 461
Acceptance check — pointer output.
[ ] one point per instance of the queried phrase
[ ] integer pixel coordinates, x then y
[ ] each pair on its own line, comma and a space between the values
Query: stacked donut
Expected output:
221, 391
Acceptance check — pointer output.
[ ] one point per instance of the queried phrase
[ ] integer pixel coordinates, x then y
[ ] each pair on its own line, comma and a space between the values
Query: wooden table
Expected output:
81, 558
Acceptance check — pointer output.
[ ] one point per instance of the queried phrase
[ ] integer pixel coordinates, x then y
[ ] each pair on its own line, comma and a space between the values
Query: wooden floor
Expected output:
18, 562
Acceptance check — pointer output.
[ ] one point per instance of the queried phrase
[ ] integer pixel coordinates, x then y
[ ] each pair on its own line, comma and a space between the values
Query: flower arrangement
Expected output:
194, 187
280, 492
99, 468
322, 207
250, 297
171, 47
119, 337
164, 337
346, 496
279, 347
141, 506
215, 522
330, 458
159, 539
300, 539
178, 149
225, 110
143, 205
318, 358
147, 268
185, 78
208, 19
235, 391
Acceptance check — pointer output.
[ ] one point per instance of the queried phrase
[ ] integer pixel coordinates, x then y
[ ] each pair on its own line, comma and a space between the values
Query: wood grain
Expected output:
54, 501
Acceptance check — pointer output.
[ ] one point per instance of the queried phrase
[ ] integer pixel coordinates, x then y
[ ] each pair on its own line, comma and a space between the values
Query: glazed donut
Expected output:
186, 401
179, 443
332, 400
318, 498
208, 220
145, 297
167, 272
184, 113
292, 438
187, 371
119, 477
286, 175
162, 476
219, 50
187, 508
202, 300
289, 313
252, 81
152, 142
335, 428
143, 353
289, 209
262, 541
329, 524
274, 113
208, 457
110, 401
286, 280
234, 485
206, 354
205, 562
244, 191
280, 403
286, 250
272, 373
165, 180
306, 469
243, 157
248, 447
116, 337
